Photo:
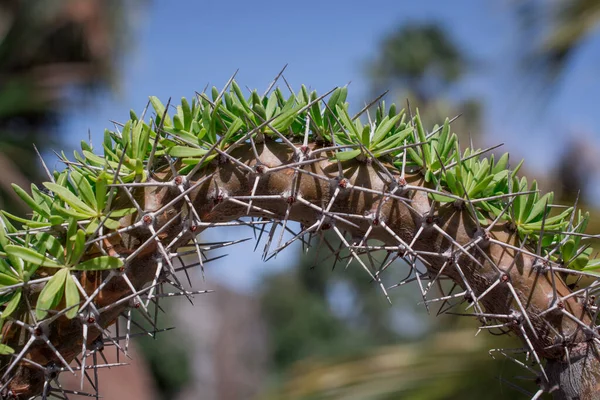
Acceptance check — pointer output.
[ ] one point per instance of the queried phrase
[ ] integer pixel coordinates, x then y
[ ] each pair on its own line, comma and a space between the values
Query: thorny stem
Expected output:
370, 204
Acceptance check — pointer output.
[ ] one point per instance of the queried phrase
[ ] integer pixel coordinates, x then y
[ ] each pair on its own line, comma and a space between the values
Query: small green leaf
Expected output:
52, 293
539, 208
84, 188
526, 212
568, 250
49, 243
271, 106
97, 160
366, 136
502, 164
28, 222
6, 350
111, 223
123, 211
240, 95
185, 151
12, 304
70, 198
7, 280
99, 264
31, 256
30, 201
187, 113
159, 108
233, 128
592, 265
78, 247
384, 128
101, 192
177, 122
580, 262
71, 296
441, 198
347, 122
347, 155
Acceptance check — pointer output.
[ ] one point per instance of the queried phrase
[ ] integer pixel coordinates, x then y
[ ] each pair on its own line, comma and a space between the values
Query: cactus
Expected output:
109, 233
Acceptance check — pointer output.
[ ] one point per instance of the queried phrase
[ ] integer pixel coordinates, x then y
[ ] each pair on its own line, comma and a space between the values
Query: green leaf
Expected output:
70, 198
97, 160
441, 198
101, 192
78, 247
568, 250
384, 128
30, 201
425, 147
159, 108
187, 113
112, 224
592, 265
71, 213
84, 188
71, 296
240, 95
123, 211
28, 222
526, 212
31, 256
49, 243
539, 207
52, 293
185, 151
414, 156
502, 164
12, 304
580, 261
233, 128
177, 122
347, 155
271, 106
6, 350
347, 122
7, 280
99, 264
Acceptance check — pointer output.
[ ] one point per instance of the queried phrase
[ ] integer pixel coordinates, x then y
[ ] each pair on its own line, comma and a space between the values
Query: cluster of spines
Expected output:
75, 216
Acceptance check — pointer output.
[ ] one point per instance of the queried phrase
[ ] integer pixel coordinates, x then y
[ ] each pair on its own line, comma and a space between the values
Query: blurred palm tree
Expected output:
421, 59
48, 48
423, 64
555, 31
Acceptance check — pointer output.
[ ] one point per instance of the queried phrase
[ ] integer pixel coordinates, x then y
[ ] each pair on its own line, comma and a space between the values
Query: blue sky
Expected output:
177, 47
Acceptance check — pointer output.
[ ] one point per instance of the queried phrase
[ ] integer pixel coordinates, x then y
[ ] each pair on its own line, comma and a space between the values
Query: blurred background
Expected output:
523, 73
